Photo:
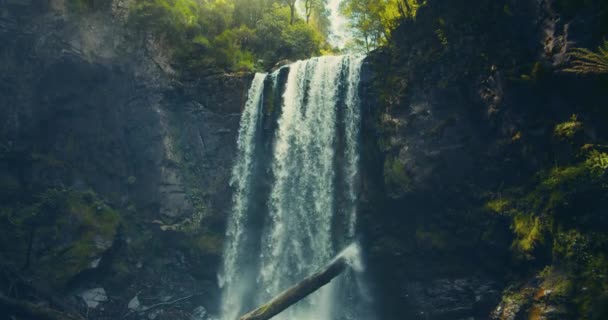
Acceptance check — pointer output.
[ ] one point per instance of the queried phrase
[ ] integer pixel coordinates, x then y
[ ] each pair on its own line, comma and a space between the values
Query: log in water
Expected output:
298, 292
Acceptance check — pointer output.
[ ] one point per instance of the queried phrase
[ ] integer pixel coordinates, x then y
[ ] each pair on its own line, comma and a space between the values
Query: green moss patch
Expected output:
396, 179
65, 231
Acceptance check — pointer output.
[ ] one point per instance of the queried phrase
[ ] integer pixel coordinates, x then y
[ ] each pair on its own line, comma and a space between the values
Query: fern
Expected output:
587, 61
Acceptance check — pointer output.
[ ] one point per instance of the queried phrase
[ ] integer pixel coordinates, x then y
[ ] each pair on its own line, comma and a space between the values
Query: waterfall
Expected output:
310, 210
232, 283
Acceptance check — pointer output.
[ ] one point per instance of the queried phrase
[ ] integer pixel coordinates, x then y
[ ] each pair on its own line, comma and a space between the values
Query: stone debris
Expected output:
93, 297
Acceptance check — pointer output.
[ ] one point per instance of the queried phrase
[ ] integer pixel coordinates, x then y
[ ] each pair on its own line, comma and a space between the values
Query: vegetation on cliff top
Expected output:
232, 35
372, 21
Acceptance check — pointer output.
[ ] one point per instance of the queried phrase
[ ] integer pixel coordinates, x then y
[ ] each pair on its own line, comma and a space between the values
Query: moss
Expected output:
557, 211
500, 205
210, 243
442, 37
396, 179
70, 228
597, 162
567, 244
529, 231
564, 176
568, 129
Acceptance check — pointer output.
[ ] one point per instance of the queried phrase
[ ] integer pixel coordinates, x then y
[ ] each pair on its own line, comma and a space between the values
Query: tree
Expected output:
374, 20
309, 6
232, 35
292, 9
250, 12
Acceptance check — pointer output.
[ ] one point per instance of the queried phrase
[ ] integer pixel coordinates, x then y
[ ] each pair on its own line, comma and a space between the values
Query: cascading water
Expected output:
310, 212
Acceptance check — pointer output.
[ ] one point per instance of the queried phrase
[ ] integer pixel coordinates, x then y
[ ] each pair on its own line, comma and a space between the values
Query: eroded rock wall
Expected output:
461, 108
88, 106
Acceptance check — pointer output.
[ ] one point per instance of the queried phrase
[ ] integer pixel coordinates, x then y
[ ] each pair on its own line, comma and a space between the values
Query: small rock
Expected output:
199, 313
95, 263
93, 297
134, 304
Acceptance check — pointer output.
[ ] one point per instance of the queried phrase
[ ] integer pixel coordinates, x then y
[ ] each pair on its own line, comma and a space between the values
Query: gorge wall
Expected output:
467, 206
108, 163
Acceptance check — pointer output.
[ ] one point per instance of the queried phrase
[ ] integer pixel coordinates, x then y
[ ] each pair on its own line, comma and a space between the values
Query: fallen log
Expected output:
28, 310
298, 292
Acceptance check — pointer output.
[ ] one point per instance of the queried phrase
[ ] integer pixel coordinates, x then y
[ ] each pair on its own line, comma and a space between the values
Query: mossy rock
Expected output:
68, 229
211, 244
568, 129
397, 180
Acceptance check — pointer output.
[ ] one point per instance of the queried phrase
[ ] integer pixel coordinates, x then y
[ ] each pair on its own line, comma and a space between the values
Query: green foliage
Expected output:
586, 61
442, 37
500, 205
229, 35
534, 213
374, 20
554, 221
597, 162
529, 233
569, 128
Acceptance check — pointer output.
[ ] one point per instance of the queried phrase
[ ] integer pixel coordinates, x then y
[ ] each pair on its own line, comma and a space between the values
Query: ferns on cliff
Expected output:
585, 61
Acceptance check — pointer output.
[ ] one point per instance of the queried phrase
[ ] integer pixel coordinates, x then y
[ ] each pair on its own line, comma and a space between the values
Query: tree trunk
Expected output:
298, 292
292, 8
308, 6
27, 310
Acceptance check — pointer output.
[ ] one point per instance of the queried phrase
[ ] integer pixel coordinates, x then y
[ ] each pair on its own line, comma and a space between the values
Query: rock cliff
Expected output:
114, 173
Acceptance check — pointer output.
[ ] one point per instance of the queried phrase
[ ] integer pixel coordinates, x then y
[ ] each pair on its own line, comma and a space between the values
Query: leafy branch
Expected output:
585, 61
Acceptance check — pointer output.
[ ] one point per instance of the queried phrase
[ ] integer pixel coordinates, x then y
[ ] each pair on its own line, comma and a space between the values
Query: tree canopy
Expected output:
372, 21
247, 35
232, 35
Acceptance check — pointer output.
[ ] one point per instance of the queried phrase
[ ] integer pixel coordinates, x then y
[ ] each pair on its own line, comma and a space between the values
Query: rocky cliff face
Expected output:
96, 130
461, 110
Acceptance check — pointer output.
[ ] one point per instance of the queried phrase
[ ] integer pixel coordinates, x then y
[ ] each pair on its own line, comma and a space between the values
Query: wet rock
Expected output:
95, 263
134, 304
93, 297
452, 298
199, 313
